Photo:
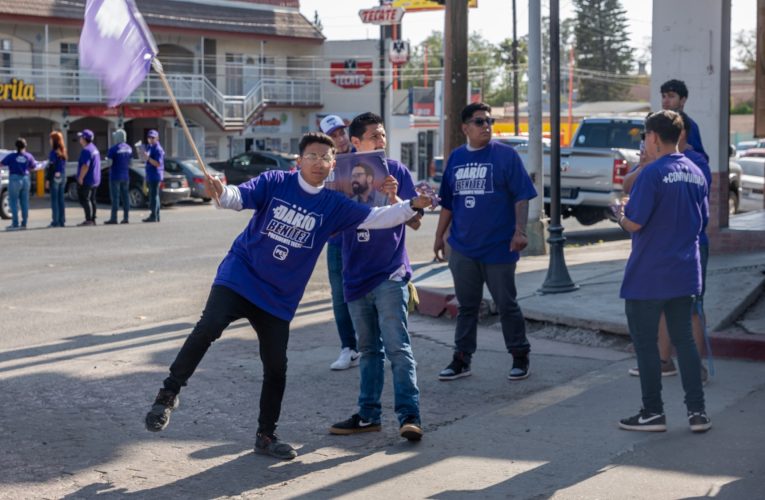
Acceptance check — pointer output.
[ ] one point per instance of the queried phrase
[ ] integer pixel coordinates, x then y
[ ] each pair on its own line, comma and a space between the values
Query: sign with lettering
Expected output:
425, 5
17, 90
383, 15
351, 74
399, 52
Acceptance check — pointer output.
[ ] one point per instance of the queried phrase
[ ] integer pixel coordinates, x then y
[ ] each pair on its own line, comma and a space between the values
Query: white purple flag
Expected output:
116, 46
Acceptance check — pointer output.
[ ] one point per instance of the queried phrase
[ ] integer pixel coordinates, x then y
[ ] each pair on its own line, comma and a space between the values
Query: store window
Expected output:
234, 74
70, 65
407, 154
6, 60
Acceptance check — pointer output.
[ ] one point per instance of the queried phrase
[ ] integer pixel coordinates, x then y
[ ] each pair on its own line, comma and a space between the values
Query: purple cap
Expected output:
87, 134
330, 123
153, 133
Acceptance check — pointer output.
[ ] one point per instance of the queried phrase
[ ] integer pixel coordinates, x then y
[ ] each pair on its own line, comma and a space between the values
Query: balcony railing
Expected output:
232, 112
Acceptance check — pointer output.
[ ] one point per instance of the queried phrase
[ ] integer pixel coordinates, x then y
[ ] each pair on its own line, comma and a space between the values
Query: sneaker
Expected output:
354, 425
348, 358
125, 221
458, 368
520, 369
411, 429
668, 369
149, 219
87, 223
269, 444
645, 421
698, 421
12, 228
111, 221
159, 416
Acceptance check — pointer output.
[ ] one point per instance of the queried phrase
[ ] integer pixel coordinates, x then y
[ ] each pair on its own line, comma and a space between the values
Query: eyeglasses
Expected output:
316, 157
480, 122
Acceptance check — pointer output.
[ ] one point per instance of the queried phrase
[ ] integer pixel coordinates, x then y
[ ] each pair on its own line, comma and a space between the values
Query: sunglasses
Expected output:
480, 122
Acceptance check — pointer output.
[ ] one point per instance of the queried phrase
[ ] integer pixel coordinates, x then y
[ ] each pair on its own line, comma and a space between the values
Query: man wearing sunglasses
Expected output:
484, 197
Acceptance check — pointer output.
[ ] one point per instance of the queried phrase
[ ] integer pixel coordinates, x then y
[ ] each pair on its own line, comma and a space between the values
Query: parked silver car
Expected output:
194, 175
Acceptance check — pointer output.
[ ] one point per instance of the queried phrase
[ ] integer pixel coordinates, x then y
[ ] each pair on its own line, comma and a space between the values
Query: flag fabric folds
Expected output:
116, 46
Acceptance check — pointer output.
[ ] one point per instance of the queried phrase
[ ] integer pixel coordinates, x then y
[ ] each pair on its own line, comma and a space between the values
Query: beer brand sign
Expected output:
17, 91
351, 74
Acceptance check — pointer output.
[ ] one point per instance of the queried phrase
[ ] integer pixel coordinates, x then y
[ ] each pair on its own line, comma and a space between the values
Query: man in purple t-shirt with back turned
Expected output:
666, 213
88, 176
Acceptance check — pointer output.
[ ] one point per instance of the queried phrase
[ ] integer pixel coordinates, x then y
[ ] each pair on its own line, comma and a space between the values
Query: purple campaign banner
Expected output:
361, 176
116, 46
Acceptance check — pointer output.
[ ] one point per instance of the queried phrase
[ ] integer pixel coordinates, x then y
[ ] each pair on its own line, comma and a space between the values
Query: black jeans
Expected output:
469, 276
643, 322
225, 306
87, 196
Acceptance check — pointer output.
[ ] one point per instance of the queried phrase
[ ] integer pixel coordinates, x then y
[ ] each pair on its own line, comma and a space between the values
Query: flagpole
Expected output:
158, 68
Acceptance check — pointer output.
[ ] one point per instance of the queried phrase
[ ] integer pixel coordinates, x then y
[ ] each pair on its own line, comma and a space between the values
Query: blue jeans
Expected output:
340, 308
154, 199
118, 191
643, 322
380, 320
18, 193
57, 205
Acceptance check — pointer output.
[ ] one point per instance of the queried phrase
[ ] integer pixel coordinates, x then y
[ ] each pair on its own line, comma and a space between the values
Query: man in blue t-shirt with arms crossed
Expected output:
484, 196
666, 213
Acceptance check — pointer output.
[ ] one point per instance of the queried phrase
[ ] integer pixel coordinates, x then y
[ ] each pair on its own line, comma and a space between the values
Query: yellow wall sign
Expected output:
17, 90
424, 5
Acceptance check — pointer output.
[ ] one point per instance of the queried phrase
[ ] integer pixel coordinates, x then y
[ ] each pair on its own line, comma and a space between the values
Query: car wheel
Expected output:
206, 200
732, 202
71, 191
5, 207
137, 198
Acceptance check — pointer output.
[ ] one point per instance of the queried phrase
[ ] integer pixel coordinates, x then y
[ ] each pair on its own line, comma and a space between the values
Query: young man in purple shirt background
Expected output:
155, 171
19, 165
264, 274
666, 213
484, 198
376, 273
121, 154
674, 94
334, 126
88, 176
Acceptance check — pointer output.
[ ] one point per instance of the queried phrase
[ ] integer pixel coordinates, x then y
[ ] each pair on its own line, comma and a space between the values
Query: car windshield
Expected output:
611, 134
193, 165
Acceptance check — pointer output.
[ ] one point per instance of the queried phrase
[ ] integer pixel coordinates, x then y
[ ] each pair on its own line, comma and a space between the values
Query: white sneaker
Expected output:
348, 358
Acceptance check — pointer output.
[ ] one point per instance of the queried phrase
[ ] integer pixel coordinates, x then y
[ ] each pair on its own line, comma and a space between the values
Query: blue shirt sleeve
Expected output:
642, 197
157, 153
519, 180
445, 190
255, 192
694, 139
111, 153
7, 160
349, 214
406, 189
84, 158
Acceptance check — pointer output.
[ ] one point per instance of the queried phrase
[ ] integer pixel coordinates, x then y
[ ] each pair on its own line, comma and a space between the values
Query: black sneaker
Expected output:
269, 444
698, 421
520, 369
149, 219
354, 425
645, 421
411, 429
110, 221
124, 221
458, 368
159, 416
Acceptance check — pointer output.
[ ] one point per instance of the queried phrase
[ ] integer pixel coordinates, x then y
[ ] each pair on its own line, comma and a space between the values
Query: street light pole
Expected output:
558, 279
515, 73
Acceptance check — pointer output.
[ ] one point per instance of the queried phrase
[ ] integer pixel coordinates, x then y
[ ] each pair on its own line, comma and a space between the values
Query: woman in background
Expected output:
55, 178
19, 164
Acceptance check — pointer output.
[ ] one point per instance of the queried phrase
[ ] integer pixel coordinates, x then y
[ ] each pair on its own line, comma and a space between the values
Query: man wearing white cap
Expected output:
335, 127
155, 170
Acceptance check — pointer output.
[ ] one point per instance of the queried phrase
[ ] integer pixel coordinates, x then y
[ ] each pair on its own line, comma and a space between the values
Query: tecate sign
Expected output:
351, 74
384, 14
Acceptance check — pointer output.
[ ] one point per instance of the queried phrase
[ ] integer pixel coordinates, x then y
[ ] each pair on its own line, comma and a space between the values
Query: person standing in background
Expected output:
55, 179
19, 164
155, 170
121, 154
88, 176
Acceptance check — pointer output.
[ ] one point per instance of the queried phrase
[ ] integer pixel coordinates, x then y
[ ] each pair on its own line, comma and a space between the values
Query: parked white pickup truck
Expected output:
602, 151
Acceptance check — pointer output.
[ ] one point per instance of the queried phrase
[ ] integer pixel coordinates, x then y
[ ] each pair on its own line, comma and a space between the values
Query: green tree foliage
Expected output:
745, 44
601, 50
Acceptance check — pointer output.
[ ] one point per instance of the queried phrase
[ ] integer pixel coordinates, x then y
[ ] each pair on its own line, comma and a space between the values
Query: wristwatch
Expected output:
411, 204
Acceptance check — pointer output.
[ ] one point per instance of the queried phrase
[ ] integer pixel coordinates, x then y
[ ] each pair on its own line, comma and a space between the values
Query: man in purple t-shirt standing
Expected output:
155, 171
666, 213
376, 274
88, 176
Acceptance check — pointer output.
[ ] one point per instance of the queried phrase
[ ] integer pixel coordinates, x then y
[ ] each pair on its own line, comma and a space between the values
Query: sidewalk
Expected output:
734, 283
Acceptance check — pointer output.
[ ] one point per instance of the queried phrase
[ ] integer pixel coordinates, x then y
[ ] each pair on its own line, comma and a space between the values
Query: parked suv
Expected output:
245, 166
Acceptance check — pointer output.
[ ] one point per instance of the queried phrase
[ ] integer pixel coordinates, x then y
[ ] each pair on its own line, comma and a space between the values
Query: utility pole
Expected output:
558, 279
536, 225
515, 71
381, 72
455, 72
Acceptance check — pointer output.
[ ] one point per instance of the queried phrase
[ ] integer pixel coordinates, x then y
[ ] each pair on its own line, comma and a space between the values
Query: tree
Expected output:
745, 44
602, 52
503, 91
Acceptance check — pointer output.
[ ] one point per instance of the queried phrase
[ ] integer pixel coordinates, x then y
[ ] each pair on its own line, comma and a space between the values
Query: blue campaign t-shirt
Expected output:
371, 256
271, 261
481, 189
669, 201
19, 163
121, 155
56, 164
91, 157
694, 139
155, 174
700, 161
